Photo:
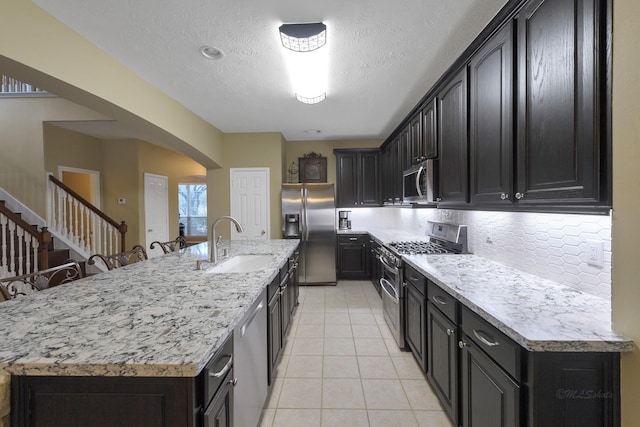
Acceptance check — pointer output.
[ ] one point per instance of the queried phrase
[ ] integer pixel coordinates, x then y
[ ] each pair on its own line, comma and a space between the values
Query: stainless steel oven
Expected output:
392, 293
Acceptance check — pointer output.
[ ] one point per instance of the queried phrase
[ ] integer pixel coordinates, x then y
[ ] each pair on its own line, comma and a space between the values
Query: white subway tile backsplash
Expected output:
552, 246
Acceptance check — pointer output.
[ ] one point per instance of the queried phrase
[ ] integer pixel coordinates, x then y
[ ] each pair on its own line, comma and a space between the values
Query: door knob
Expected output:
263, 232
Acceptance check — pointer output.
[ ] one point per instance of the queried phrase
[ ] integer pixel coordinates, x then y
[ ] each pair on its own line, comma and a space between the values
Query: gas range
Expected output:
416, 247
443, 239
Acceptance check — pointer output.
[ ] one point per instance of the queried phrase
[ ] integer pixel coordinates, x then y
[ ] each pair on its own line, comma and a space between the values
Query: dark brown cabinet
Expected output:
353, 256
429, 134
416, 315
491, 120
358, 177
452, 141
205, 400
559, 82
274, 328
391, 173
442, 347
490, 397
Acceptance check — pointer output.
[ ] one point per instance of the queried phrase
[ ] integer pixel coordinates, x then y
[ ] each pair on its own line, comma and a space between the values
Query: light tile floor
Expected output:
342, 367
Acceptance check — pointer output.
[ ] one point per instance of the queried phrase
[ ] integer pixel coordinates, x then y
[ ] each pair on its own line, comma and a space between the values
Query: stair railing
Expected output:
86, 226
23, 248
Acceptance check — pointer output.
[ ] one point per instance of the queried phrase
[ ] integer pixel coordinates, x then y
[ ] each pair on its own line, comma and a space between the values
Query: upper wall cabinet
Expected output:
429, 135
491, 120
452, 140
559, 82
358, 177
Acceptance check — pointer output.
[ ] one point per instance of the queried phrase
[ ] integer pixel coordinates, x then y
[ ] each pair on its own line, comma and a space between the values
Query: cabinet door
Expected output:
285, 309
369, 178
405, 149
352, 260
274, 327
558, 122
220, 411
491, 120
442, 357
347, 182
452, 138
415, 138
416, 330
429, 131
490, 398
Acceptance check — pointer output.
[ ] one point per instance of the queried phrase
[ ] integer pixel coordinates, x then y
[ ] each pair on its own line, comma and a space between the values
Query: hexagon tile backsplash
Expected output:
552, 246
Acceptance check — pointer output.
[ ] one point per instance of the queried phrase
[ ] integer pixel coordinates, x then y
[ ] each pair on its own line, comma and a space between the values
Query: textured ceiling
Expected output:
384, 55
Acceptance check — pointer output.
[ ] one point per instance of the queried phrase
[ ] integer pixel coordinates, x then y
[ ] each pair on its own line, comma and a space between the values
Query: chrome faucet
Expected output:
214, 241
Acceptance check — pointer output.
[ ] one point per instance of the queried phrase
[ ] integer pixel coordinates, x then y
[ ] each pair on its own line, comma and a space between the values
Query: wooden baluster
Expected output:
59, 224
20, 243
76, 236
83, 232
11, 229
4, 261
28, 239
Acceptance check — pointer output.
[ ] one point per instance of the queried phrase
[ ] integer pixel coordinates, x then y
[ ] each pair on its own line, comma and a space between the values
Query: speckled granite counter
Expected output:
160, 317
538, 314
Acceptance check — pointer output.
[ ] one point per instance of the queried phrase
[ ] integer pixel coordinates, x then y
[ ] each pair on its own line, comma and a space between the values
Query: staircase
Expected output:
76, 230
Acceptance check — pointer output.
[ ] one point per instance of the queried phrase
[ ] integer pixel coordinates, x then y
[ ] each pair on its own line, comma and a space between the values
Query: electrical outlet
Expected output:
595, 251
491, 236
122, 201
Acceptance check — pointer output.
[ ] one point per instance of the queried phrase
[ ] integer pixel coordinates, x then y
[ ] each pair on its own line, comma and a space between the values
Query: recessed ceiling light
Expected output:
211, 52
311, 100
312, 131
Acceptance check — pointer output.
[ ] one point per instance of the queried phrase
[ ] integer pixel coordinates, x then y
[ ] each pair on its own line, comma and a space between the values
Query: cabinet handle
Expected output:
462, 344
438, 199
353, 238
233, 381
449, 331
504, 196
519, 195
224, 370
484, 340
439, 300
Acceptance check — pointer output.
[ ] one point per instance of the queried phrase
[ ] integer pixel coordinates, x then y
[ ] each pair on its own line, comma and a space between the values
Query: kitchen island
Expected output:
157, 318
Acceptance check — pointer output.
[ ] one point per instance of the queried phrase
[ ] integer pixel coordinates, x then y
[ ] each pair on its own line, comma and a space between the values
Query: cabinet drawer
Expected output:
217, 369
493, 342
284, 272
447, 304
353, 238
273, 288
411, 275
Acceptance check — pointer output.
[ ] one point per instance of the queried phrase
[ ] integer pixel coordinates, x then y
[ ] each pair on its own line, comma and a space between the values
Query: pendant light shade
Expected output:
303, 37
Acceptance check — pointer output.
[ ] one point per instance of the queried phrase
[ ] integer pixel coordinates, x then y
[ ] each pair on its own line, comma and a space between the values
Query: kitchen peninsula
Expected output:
158, 318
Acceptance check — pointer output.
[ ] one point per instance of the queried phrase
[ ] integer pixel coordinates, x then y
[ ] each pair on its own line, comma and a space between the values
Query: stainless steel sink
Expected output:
245, 263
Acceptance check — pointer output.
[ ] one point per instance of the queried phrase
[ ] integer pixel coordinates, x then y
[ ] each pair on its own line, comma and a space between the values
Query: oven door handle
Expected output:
384, 283
389, 267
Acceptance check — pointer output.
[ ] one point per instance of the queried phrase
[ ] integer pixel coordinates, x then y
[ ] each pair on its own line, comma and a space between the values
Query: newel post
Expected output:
43, 248
122, 229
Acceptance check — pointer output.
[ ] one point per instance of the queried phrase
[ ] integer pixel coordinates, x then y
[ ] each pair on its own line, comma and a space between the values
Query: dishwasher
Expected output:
250, 364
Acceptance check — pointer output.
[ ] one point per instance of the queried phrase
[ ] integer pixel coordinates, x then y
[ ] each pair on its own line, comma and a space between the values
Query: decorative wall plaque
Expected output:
312, 168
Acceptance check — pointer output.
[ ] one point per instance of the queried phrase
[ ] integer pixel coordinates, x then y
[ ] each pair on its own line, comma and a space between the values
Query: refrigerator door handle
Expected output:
305, 210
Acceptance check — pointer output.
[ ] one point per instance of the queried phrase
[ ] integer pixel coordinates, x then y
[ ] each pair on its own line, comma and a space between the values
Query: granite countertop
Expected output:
538, 314
160, 317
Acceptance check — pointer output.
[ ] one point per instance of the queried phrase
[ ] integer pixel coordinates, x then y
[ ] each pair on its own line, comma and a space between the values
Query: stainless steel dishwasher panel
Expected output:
250, 364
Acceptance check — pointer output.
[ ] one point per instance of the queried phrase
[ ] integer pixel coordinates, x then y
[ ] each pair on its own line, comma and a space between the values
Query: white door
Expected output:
250, 202
156, 211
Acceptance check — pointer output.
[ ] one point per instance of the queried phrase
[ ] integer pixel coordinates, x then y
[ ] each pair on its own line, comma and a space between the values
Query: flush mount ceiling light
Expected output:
211, 52
306, 62
312, 100
303, 37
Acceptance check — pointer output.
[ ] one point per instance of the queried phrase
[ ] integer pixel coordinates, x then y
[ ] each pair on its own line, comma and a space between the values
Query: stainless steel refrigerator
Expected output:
308, 214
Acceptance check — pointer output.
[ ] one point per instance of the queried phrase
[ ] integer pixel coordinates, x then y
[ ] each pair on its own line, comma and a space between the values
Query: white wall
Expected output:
552, 246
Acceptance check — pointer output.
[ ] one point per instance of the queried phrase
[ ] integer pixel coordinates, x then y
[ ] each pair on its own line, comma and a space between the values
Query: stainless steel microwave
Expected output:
419, 183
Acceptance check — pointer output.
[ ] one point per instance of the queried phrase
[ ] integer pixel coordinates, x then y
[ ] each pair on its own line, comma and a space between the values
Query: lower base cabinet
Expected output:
54, 401
490, 398
353, 257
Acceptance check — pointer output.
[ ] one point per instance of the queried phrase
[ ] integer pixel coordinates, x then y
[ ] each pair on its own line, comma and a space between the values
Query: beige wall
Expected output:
42, 51
63, 147
22, 164
626, 206
246, 150
297, 149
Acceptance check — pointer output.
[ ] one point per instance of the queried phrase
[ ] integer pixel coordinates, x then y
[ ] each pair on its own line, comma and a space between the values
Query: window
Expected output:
192, 208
